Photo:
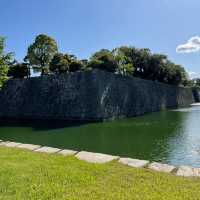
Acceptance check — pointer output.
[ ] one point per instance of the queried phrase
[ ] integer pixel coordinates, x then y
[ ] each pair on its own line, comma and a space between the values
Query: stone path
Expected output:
184, 171
187, 171
95, 157
134, 162
161, 167
47, 150
31, 147
11, 144
67, 152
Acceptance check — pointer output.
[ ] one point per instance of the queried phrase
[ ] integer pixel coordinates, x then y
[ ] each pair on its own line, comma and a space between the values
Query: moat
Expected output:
170, 136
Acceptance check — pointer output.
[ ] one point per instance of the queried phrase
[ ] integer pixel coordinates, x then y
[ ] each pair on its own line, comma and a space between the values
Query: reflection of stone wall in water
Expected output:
93, 95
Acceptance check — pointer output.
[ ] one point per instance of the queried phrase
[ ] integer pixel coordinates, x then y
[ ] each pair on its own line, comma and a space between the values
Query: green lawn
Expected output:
26, 175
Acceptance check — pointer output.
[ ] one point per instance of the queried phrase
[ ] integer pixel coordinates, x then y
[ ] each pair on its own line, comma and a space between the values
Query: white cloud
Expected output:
193, 75
192, 45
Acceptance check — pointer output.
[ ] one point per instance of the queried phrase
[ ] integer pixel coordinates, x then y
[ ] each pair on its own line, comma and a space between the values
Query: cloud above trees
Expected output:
192, 45
193, 75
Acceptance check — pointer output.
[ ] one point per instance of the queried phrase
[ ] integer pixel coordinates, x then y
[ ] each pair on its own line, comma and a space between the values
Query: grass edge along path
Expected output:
28, 175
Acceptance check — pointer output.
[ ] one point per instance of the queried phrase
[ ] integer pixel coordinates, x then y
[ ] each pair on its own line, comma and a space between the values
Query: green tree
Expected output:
196, 82
137, 58
125, 66
155, 67
62, 63
41, 52
76, 65
5, 60
19, 70
59, 63
104, 60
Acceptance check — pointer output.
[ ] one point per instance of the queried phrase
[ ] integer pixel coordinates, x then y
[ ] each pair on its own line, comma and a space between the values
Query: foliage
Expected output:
75, 65
41, 52
104, 60
138, 62
5, 60
65, 63
124, 64
19, 70
59, 63
155, 67
3, 73
195, 83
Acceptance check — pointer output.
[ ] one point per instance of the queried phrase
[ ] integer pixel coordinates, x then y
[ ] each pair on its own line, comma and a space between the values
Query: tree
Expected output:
5, 60
76, 65
59, 63
137, 58
144, 64
41, 52
65, 63
104, 60
125, 66
195, 82
19, 70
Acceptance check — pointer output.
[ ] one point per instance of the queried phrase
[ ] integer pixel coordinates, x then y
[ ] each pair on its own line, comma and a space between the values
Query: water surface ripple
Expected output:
170, 136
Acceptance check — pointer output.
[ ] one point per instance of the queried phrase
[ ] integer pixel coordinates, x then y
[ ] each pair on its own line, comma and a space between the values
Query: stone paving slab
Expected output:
195, 104
4, 143
134, 162
187, 171
31, 147
66, 152
161, 167
47, 150
12, 144
95, 157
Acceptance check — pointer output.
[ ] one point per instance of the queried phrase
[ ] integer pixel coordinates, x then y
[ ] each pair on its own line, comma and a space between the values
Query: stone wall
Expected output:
196, 94
88, 96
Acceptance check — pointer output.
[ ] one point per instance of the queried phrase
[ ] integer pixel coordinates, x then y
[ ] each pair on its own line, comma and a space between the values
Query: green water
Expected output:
170, 136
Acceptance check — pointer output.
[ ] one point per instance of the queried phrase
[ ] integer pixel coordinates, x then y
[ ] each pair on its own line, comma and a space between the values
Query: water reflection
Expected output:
170, 136
185, 146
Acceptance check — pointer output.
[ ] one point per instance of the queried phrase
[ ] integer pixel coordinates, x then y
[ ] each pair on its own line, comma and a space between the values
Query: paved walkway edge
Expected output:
184, 171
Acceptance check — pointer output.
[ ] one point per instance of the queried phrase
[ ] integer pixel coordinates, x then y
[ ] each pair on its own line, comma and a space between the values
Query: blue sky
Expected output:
82, 27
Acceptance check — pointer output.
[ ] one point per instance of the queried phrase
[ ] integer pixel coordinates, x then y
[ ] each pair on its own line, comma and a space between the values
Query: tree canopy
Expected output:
62, 63
43, 55
19, 70
41, 52
104, 60
5, 60
140, 63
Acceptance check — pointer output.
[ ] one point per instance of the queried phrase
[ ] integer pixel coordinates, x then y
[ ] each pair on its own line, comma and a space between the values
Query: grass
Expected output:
26, 175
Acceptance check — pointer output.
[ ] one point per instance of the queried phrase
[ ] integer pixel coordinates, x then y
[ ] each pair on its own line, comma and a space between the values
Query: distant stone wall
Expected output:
88, 96
196, 94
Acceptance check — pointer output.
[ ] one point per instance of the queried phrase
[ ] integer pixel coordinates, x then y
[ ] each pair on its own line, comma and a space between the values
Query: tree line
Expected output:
43, 56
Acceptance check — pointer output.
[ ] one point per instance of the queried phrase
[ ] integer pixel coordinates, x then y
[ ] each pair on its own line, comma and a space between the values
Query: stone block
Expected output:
134, 162
67, 152
49, 150
95, 157
31, 147
12, 144
161, 167
187, 171
3, 143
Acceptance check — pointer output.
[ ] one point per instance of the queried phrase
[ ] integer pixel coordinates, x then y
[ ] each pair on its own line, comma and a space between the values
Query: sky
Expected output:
82, 27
